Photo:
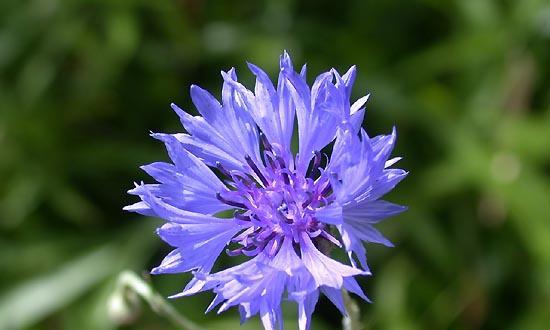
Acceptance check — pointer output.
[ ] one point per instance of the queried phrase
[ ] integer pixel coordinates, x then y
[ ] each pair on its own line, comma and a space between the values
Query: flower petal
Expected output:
371, 211
198, 244
324, 270
306, 307
188, 184
331, 214
223, 129
273, 115
335, 296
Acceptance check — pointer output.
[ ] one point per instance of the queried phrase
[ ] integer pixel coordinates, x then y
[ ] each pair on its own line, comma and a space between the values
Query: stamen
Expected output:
281, 162
286, 178
265, 142
241, 216
234, 253
308, 200
324, 201
223, 170
268, 157
327, 160
327, 190
273, 246
286, 175
284, 217
314, 233
242, 235
228, 202
251, 253
256, 170
265, 235
242, 178
315, 166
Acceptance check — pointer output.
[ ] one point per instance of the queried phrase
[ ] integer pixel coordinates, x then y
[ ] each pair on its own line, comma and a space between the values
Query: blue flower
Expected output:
289, 209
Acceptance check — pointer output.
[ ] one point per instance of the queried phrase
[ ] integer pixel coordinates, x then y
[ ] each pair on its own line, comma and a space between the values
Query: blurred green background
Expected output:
466, 82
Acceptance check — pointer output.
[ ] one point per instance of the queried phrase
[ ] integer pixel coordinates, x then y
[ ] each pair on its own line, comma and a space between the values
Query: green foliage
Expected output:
465, 81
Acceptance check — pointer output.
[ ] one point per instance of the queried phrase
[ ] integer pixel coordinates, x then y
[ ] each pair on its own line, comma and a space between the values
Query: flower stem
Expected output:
131, 284
353, 320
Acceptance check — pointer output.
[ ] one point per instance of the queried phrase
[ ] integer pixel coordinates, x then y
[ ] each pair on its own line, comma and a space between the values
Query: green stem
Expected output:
353, 320
129, 283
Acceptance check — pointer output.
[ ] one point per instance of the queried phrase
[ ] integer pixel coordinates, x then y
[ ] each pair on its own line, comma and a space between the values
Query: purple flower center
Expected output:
276, 201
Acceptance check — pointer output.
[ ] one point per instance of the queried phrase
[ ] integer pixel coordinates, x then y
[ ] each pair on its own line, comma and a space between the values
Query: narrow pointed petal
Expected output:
305, 310
356, 119
331, 214
371, 211
198, 245
141, 208
335, 296
268, 112
207, 105
352, 286
324, 270
349, 79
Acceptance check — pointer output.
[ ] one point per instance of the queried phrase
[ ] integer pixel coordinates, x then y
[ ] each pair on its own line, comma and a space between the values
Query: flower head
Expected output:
289, 210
